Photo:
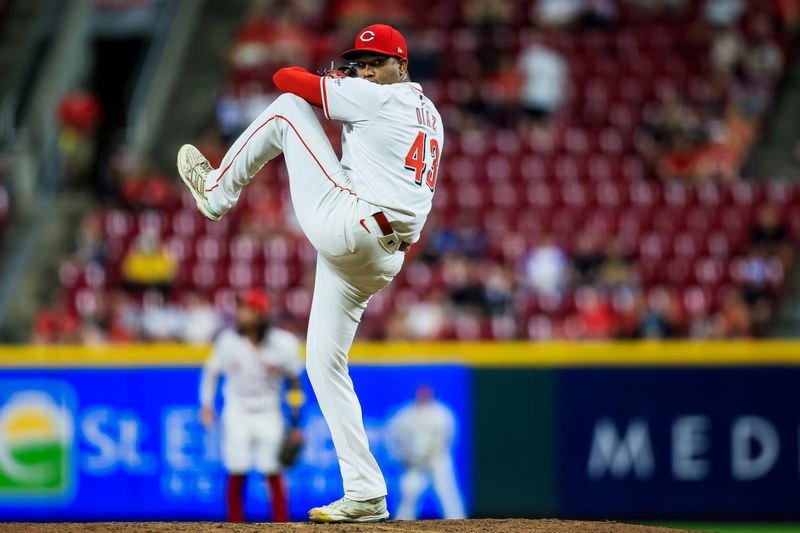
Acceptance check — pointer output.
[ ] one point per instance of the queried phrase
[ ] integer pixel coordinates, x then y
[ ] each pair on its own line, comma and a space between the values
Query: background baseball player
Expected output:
421, 435
255, 359
361, 215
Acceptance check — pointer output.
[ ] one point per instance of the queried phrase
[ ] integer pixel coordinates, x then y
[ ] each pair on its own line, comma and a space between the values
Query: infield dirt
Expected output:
428, 526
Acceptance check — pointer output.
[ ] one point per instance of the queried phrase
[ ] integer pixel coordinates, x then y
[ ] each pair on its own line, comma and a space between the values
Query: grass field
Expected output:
735, 527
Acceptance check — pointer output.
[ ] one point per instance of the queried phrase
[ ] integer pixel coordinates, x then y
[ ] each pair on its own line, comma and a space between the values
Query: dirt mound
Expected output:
427, 526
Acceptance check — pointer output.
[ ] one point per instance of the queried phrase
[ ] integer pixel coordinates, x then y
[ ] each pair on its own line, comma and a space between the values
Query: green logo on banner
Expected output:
35, 444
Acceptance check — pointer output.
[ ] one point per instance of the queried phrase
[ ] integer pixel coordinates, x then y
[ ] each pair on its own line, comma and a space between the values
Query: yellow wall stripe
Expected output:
523, 354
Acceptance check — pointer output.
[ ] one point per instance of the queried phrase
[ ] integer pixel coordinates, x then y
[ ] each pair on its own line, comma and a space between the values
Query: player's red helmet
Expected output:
381, 39
256, 299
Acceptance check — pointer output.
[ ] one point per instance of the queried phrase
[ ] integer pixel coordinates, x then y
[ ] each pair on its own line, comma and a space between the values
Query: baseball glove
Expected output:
290, 450
348, 70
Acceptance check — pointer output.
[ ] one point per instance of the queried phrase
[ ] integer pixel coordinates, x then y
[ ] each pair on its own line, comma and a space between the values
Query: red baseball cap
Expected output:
256, 299
379, 38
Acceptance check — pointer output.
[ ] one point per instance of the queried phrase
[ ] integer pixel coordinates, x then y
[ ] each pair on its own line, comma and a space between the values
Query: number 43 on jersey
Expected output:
415, 160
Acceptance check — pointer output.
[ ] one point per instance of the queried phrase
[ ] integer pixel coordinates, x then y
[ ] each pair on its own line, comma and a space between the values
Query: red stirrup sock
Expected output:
234, 497
280, 504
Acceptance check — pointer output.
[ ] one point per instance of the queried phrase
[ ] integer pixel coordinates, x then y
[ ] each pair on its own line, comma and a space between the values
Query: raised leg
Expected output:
320, 188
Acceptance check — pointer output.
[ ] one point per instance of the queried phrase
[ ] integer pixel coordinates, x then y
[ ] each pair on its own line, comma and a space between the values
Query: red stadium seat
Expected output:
709, 271
686, 244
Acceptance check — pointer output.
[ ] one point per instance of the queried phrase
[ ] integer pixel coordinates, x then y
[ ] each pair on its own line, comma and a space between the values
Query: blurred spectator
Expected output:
78, 115
545, 268
463, 285
56, 324
771, 235
161, 321
557, 13
755, 289
628, 305
253, 99
354, 15
487, 13
545, 82
212, 144
428, 47
266, 217
600, 14
201, 321
443, 240
723, 13
727, 48
125, 316
472, 238
144, 186
424, 320
789, 13
91, 243
465, 236
617, 269
673, 136
649, 8
228, 114
149, 263
271, 35
498, 291
501, 92
587, 259
595, 314
763, 59
661, 318
104, 322
701, 323
732, 321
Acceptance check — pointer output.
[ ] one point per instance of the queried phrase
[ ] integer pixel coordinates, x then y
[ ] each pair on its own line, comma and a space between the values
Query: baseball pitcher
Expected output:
361, 214
255, 360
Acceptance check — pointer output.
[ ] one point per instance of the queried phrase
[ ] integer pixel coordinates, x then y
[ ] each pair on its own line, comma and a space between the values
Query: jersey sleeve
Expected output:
300, 82
289, 346
210, 374
351, 99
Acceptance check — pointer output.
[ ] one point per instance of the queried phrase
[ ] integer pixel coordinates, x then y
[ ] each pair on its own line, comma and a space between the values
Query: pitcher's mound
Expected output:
425, 526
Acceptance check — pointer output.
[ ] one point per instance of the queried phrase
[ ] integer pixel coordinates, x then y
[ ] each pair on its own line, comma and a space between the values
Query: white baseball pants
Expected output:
251, 440
351, 264
417, 479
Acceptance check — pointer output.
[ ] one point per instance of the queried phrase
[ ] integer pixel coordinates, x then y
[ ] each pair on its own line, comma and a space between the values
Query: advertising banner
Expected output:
679, 442
127, 444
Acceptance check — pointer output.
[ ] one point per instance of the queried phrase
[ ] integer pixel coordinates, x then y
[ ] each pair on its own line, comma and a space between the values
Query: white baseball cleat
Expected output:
346, 510
194, 168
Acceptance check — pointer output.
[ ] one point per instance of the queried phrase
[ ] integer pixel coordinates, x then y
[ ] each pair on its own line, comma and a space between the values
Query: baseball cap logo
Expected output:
367, 36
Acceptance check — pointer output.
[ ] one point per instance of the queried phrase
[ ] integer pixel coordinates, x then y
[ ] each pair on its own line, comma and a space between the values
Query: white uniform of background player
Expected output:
392, 141
256, 359
421, 436
252, 423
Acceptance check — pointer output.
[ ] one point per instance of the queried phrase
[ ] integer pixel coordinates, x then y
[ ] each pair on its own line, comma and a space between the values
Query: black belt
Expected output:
386, 229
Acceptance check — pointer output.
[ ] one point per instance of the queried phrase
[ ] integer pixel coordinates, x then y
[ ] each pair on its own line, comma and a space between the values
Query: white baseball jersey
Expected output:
422, 432
392, 142
254, 374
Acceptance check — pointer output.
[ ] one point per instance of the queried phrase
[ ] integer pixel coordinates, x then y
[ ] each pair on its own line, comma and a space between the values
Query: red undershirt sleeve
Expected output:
299, 81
